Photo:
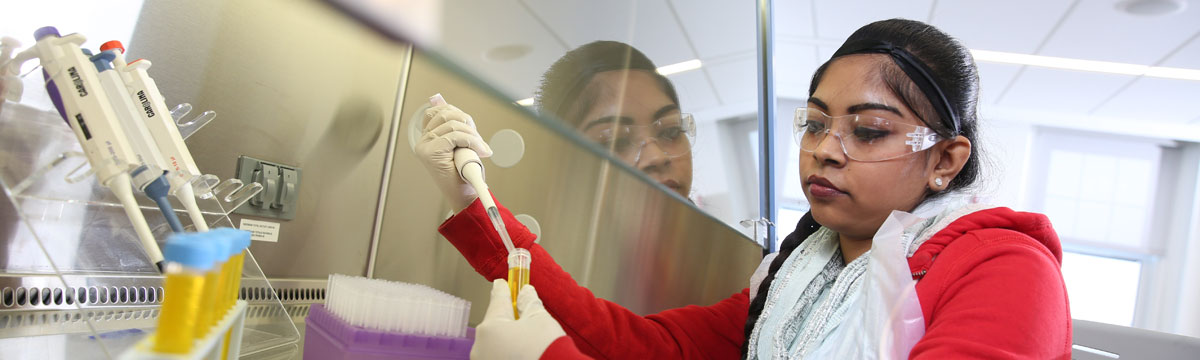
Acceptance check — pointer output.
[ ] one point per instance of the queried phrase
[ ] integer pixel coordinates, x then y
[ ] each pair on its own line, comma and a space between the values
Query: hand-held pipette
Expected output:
470, 168
72, 85
149, 178
157, 118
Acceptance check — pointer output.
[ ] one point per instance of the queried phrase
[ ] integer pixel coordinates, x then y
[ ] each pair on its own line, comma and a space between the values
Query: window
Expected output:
1099, 192
1100, 198
1101, 288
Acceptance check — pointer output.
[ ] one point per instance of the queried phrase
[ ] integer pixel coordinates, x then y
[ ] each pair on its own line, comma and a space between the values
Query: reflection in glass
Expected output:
612, 93
709, 71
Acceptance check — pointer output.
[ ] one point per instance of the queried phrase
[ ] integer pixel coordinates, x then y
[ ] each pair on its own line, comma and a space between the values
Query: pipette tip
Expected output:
498, 223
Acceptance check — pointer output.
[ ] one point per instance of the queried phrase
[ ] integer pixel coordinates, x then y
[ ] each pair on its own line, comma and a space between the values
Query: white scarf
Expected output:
814, 290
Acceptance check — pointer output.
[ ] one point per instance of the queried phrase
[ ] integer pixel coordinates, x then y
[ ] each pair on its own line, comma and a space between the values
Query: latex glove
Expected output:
499, 336
447, 128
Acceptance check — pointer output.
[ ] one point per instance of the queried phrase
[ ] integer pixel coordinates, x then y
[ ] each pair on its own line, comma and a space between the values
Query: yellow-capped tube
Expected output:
187, 259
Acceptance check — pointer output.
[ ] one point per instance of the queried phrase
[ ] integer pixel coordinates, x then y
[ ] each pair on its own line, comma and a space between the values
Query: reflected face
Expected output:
848, 196
631, 116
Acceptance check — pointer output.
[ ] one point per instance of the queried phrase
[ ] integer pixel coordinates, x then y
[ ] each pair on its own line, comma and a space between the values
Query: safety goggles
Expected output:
672, 134
862, 138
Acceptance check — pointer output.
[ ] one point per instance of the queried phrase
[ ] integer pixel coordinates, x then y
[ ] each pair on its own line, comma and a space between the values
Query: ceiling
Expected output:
722, 35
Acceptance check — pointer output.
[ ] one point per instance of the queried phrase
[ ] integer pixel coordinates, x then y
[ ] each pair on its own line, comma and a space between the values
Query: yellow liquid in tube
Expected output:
223, 301
209, 309
180, 312
234, 285
219, 305
518, 275
235, 277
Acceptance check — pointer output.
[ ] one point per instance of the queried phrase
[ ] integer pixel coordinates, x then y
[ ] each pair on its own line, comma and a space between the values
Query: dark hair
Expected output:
562, 91
952, 68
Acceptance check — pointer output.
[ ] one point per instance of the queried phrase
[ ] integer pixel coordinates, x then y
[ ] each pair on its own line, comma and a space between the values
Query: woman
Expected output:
612, 94
889, 129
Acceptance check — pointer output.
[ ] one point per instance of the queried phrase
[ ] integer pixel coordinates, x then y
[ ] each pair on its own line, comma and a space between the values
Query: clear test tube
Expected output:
518, 274
188, 259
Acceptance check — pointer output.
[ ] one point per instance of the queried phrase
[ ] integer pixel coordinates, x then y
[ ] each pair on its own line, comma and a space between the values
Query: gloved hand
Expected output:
499, 336
447, 128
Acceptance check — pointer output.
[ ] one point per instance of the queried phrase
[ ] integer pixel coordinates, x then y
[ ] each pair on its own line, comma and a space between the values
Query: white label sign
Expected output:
261, 230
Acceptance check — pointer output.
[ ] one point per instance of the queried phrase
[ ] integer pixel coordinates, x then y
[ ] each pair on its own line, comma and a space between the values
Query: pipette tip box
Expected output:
329, 337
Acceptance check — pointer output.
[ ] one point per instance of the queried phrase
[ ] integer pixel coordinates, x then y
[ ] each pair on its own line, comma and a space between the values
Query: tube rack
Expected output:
208, 348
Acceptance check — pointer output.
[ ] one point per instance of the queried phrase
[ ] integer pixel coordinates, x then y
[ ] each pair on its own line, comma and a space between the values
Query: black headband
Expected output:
914, 68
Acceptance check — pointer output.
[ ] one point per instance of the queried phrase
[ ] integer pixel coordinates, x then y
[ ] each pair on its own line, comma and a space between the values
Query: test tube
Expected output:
188, 259
214, 281
237, 259
518, 274
239, 240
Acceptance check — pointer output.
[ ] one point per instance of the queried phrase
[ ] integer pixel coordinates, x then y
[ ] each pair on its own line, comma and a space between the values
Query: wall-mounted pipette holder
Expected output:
71, 252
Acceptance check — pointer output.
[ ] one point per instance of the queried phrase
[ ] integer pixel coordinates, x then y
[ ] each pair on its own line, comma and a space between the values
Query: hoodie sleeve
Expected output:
994, 293
600, 328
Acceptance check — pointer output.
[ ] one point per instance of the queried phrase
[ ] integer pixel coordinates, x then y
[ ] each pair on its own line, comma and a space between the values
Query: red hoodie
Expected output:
989, 287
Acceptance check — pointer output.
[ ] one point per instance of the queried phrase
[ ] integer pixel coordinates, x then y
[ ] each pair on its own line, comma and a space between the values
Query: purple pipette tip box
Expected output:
328, 337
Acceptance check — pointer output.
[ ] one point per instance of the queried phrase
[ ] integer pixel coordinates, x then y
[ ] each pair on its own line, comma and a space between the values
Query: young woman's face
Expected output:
632, 116
848, 196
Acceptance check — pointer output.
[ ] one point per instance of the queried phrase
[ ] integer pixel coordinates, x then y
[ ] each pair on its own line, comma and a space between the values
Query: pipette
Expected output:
150, 178
470, 168
157, 118
72, 83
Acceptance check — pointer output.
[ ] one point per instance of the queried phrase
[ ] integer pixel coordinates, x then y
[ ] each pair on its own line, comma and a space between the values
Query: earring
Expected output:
938, 181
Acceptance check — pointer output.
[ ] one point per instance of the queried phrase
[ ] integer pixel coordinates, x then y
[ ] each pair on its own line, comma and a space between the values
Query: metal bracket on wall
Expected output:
281, 188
